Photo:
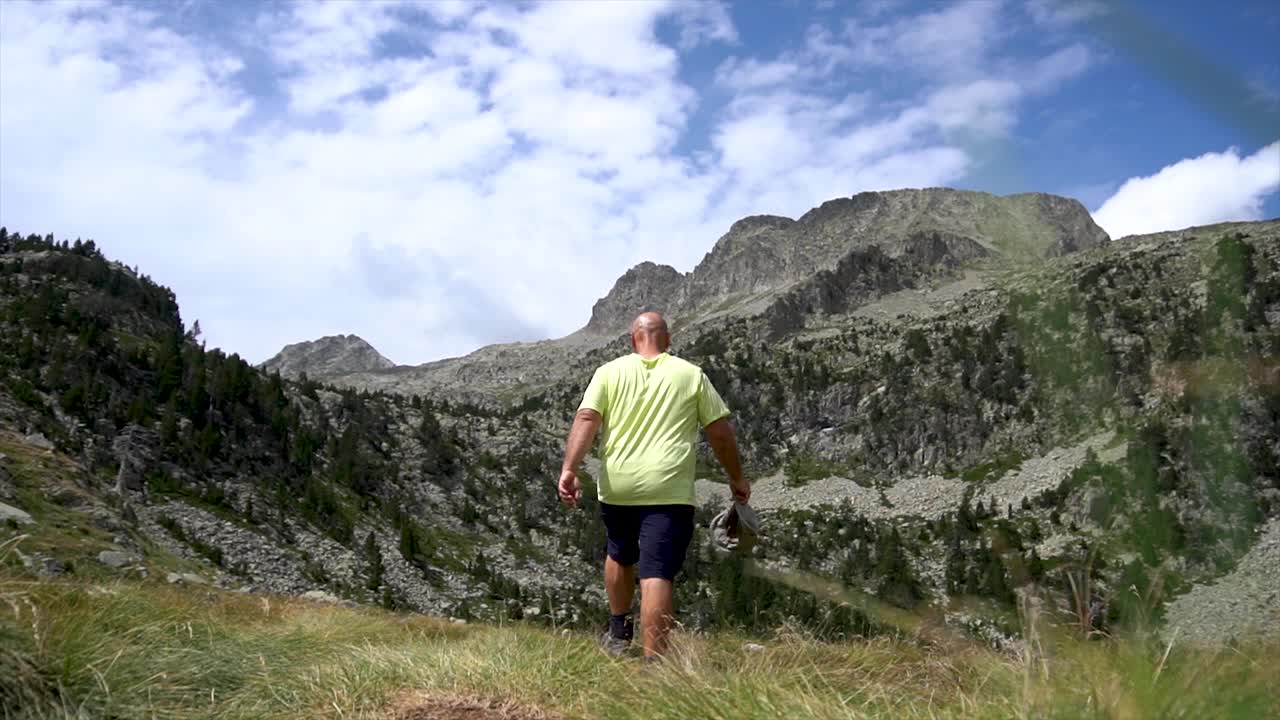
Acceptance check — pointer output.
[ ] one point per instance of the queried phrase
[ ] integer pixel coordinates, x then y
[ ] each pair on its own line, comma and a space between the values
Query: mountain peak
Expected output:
758, 222
645, 287
762, 255
329, 356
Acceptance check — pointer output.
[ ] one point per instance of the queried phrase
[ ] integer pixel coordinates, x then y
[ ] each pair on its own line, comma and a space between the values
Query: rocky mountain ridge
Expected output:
832, 259
764, 255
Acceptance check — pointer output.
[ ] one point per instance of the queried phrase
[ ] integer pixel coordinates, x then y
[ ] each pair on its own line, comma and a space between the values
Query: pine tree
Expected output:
897, 583
479, 567
972, 582
965, 518
169, 368
955, 563
373, 557
995, 582
1035, 566
412, 548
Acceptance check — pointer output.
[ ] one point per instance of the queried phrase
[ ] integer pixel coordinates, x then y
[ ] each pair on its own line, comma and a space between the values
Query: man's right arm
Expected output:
724, 444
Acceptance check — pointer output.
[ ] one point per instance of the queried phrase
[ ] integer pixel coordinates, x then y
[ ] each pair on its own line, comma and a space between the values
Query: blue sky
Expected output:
436, 177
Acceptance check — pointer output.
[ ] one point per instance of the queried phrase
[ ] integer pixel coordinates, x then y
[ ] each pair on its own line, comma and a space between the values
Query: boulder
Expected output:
38, 440
185, 579
104, 519
50, 566
320, 596
9, 512
66, 496
115, 558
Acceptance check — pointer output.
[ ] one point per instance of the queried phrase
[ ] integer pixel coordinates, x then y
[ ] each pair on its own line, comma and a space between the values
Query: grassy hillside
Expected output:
133, 649
96, 643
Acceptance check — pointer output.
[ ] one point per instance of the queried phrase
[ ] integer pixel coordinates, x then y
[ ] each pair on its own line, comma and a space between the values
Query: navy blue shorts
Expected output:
656, 536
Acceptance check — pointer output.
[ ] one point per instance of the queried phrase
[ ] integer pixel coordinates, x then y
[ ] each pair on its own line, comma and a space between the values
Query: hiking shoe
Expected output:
614, 645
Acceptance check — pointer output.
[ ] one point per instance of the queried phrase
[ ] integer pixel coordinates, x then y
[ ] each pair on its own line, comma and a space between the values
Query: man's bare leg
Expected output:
656, 612
620, 585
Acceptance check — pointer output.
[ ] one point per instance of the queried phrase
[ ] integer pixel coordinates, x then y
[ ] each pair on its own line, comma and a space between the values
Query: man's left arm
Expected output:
585, 425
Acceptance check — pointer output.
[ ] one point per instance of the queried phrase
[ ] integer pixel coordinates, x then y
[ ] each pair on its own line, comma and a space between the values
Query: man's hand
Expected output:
570, 489
581, 435
741, 489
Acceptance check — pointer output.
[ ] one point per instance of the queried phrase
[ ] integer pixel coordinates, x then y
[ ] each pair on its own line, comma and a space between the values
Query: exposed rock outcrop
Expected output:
135, 450
7, 490
327, 357
645, 287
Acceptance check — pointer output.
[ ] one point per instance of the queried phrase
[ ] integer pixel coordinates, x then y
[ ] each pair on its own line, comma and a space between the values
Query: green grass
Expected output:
525, 551
452, 550
59, 532
994, 470
804, 467
128, 649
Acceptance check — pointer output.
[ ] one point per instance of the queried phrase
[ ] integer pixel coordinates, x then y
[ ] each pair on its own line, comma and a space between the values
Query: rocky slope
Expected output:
328, 357
1242, 604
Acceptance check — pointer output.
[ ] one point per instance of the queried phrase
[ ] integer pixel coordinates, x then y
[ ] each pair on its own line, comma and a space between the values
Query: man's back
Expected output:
651, 406
652, 410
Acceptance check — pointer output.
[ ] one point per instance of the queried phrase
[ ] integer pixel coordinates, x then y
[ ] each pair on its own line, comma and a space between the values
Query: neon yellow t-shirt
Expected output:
652, 410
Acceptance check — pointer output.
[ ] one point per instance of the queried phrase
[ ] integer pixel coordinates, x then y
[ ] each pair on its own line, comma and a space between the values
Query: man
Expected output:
651, 406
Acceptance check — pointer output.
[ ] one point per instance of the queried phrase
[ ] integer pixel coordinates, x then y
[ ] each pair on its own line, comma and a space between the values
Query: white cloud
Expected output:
1214, 187
1057, 14
748, 74
953, 44
1062, 65
327, 48
983, 105
704, 21
487, 181
954, 41
589, 37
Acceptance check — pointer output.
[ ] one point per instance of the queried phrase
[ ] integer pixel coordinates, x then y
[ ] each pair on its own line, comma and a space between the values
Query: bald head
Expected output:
650, 322
649, 334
